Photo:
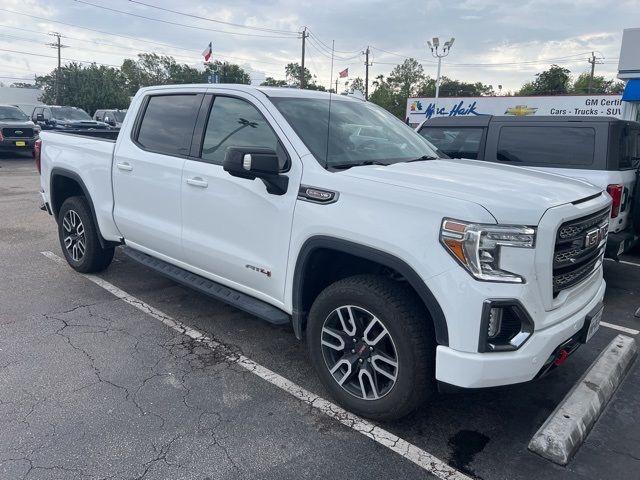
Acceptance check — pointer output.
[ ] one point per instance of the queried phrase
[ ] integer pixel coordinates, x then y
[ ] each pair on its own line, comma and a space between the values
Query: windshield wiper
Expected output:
422, 158
344, 166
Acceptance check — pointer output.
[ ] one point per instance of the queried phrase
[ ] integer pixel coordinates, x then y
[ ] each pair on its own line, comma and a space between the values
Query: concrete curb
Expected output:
570, 423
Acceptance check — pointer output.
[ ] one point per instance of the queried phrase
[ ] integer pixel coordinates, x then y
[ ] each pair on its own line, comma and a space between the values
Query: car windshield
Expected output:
357, 133
69, 113
12, 113
119, 116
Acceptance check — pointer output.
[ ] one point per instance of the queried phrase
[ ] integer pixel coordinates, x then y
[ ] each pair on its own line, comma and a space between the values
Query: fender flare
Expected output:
314, 243
63, 172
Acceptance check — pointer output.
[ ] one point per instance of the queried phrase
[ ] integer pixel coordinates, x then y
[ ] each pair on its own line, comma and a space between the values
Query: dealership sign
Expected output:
419, 109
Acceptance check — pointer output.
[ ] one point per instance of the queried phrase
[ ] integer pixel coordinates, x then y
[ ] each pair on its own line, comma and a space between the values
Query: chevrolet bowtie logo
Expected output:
520, 110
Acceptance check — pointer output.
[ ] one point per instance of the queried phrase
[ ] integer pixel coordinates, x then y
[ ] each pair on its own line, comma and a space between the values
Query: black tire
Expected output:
94, 258
403, 315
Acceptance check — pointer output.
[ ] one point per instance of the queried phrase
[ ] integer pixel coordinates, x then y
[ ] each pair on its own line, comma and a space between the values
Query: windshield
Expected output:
359, 133
69, 113
118, 115
12, 113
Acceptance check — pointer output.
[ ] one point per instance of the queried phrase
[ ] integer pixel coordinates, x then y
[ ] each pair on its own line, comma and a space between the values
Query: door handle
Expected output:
198, 182
126, 166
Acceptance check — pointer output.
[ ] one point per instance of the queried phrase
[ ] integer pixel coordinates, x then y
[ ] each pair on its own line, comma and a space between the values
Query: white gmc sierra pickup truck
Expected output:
328, 213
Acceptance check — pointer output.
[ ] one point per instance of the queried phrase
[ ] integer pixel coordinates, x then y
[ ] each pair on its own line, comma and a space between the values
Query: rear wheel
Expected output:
79, 239
371, 344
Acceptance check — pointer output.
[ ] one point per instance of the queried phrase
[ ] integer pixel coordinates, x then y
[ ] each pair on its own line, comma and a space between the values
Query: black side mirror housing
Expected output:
39, 117
255, 162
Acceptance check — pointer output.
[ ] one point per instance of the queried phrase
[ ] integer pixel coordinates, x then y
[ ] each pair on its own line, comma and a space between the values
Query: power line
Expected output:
328, 48
119, 36
262, 29
168, 22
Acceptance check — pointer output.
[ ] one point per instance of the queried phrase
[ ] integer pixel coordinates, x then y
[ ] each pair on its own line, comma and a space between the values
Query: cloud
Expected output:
486, 31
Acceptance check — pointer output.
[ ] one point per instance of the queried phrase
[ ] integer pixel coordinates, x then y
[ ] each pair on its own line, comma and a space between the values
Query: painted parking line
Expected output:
624, 262
420, 457
620, 328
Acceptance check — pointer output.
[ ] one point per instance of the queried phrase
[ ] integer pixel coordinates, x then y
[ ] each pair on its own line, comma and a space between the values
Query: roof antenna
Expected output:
326, 158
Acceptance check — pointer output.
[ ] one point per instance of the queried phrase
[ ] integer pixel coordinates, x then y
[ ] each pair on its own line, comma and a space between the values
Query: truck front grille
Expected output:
17, 132
579, 249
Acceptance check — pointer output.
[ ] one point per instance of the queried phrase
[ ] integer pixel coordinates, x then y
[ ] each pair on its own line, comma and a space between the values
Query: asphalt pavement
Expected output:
92, 387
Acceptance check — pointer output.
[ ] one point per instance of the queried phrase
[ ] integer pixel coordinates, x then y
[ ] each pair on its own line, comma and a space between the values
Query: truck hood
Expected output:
513, 195
16, 124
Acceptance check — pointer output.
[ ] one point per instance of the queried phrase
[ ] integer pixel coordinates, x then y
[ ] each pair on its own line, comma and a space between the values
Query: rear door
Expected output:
147, 172
234, 231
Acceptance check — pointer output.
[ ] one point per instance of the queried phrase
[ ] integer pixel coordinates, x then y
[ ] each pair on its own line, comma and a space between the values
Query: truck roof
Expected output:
267, 91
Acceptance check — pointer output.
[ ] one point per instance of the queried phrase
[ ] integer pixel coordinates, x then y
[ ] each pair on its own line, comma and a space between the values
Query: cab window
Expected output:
235, 122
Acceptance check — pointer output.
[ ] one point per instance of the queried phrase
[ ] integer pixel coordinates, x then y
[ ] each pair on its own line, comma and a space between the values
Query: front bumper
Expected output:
618, 243
15, 144
480, 370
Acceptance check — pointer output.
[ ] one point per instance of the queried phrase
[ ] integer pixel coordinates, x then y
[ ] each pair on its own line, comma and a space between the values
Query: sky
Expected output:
496, 42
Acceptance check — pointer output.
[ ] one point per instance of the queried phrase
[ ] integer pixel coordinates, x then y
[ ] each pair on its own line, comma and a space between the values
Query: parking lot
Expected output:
109, 377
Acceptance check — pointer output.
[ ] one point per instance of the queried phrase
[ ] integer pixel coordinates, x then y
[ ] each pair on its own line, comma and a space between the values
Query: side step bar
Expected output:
203, 285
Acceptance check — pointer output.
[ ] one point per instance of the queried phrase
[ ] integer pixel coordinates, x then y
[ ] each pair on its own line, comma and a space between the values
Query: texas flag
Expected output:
344, 73
207, 53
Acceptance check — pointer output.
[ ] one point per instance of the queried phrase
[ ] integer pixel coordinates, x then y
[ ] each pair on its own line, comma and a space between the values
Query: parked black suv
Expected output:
604, 151
113, 117
51, 117
17, 131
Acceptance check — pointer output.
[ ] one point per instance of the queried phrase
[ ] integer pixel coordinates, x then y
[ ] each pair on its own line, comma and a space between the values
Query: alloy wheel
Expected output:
74, 236
359, 352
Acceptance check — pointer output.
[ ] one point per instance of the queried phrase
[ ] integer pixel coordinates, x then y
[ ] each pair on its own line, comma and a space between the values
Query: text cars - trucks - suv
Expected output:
400, 267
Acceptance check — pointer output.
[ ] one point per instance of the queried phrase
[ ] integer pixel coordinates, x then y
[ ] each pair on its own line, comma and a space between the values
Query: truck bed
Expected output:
88, 155
107, 135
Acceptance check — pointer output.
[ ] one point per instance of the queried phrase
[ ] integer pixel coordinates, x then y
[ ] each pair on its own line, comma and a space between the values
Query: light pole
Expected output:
439, 54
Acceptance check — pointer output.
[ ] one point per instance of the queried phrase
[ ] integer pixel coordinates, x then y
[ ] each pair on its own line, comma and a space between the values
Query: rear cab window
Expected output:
547, 146
167, 123
456, 142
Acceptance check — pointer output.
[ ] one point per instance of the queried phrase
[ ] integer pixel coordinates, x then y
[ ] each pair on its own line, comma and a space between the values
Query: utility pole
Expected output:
366, 73
336, 85
592, 60
57, 44
304, 38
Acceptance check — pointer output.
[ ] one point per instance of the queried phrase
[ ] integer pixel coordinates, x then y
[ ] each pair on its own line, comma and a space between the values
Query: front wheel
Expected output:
79, 237
371, 343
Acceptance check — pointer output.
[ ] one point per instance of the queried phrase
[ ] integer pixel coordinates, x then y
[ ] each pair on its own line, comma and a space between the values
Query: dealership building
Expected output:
625, 106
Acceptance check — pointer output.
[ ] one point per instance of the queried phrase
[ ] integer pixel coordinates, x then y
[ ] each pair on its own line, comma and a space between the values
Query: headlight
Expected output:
477, 247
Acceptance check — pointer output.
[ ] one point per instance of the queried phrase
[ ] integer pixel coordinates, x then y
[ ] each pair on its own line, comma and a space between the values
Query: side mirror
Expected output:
40, 117
110, 121
255, 162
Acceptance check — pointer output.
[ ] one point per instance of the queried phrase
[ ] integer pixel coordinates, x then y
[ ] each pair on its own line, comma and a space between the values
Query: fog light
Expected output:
495, 322
505, 326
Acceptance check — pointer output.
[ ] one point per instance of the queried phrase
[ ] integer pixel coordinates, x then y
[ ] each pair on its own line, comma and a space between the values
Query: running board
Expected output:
203, 285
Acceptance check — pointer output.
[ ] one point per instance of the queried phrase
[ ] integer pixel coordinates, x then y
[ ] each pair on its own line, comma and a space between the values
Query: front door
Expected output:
233, 231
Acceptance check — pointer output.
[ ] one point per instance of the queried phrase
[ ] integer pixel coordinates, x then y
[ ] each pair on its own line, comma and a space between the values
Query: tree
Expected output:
453, 88
406, 77
23, 85
555, 81
599, 85
386, 96
357, 84
227, 72
272, 82
154, 69
89, 88
294, 72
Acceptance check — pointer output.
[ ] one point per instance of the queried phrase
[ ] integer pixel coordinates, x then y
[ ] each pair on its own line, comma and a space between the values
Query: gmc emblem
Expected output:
593, 237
